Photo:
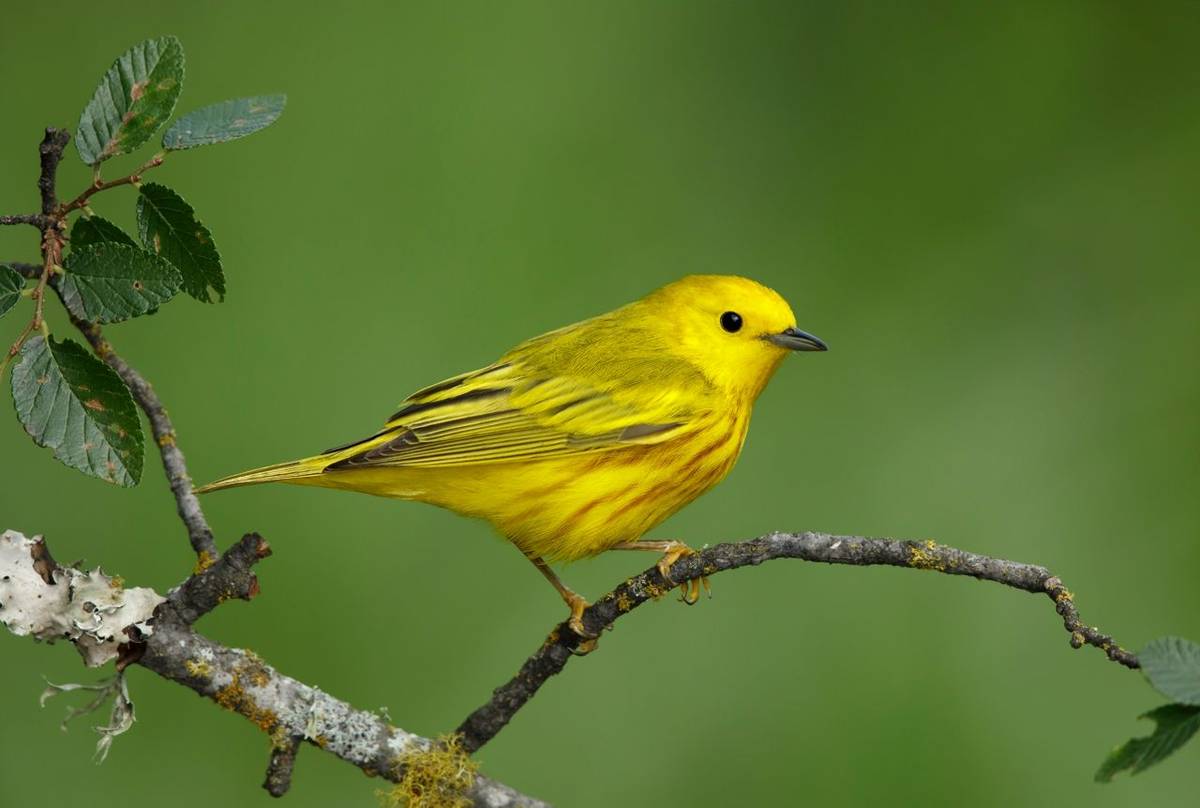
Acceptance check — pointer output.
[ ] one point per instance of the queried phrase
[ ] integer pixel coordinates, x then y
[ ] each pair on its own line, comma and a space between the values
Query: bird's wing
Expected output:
513, 411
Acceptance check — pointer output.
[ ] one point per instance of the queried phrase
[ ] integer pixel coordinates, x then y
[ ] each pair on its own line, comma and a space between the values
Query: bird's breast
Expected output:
573, 507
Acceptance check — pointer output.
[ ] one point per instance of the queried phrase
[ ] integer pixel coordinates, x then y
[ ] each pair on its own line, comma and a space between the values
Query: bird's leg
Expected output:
573, 600
672, 551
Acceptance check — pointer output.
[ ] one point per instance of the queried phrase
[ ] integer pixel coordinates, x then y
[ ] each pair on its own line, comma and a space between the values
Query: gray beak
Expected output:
796, 340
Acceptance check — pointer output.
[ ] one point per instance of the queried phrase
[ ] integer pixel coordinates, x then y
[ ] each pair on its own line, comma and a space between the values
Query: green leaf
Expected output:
135, 97
71, 402
1175, 724
95, 230
228, 120
169, 227
1172, 664
109, 282
11, 284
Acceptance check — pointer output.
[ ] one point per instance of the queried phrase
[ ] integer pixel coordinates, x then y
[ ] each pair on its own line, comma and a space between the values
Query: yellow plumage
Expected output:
586, 437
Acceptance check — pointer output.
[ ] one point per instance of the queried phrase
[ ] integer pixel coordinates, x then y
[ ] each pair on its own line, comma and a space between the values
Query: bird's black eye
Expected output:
731, 321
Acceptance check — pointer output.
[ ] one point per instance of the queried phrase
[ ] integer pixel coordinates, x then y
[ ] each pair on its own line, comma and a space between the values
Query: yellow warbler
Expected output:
582, 439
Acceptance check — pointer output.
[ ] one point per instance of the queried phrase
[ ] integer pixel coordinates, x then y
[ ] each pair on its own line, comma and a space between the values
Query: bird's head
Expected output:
735, 330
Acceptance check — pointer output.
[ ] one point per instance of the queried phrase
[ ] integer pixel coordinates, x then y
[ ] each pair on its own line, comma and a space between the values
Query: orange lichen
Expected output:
234, 697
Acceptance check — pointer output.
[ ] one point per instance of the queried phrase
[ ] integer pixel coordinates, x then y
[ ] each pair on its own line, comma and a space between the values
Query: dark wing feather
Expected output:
505, 413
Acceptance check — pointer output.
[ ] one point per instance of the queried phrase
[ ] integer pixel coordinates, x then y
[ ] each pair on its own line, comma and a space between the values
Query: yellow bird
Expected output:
583, 439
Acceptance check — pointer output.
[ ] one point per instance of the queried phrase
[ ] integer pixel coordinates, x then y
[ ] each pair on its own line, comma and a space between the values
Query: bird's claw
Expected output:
588, 639
689, 590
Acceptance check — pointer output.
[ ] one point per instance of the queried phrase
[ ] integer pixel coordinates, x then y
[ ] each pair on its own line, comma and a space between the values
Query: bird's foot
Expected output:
588, 639
575, 602
689, 590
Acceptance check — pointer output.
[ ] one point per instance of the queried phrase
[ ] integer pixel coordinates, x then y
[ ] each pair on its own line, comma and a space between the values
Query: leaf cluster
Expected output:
67, 399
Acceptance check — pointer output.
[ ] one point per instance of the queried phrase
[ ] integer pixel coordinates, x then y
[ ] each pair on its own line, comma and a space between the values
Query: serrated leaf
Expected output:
71, 402
110, 282
1174, 725
11, 284
168, 226
135, 97
96, 230
228, 120
1172, 664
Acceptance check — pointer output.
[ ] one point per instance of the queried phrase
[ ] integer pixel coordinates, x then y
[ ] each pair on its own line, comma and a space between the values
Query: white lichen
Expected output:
120, 718
89, 608
336, 726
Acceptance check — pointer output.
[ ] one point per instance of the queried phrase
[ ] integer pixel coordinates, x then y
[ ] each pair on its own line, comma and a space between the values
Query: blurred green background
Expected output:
988, 212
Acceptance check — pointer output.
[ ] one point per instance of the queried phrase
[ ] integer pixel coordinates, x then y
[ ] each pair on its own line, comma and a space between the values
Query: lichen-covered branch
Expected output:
286, 709
106, 621
230, 576
549, 659
40, 599
281, 765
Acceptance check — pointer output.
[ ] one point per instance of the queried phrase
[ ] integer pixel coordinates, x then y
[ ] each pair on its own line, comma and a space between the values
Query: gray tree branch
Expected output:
291, 712
137, 626
553, 654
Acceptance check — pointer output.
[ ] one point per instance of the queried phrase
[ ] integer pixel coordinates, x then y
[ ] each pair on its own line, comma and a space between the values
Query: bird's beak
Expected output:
796, 340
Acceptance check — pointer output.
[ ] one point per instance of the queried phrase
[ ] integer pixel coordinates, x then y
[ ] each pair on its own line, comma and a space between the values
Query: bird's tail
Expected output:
295, 471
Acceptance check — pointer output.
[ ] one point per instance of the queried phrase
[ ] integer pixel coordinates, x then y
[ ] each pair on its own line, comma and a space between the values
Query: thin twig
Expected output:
199, 533
50, 153
52, 245
483, 724
52, 227
280, 766
100, 185
36, 219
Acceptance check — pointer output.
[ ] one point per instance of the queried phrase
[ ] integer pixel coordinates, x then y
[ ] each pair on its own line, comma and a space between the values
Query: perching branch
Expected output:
483, 724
